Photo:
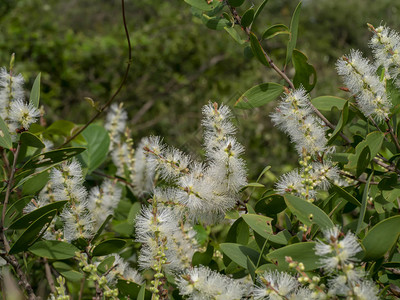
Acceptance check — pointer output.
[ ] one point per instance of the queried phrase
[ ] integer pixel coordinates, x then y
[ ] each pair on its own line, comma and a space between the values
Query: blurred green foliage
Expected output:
178, 64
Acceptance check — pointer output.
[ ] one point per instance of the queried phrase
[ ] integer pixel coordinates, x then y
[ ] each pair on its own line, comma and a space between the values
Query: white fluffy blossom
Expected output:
116, 123
275, 286
11, 88
360, 77
23, 114
201, 283
121, 269
336, 251
385, 43
294, 116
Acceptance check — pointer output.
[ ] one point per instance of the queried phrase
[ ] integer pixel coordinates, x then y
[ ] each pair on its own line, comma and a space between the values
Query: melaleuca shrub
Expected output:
88, 212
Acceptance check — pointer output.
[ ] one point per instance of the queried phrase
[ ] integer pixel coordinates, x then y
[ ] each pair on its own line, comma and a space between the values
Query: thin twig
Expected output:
357, 178
124, 78
49, 276
394, 137
114, 178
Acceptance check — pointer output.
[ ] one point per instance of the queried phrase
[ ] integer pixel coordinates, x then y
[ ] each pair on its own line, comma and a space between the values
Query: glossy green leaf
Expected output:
345, 195
52, 157
106, 264
305, 74
373, 140
61, 127
235, 35
5, 137
300, 252
53, 249
275, 30
29, 139
247, 18
363, 204
307, 212
203, 258
342, 121
238, 232
235, 3
203, 5
381, 238
262, 225
16, 209
33, 232
258, 50
363, 161
271, 205
134, 210
260, 8
98, 142
67, 271
294, 28
259, 95
35, 92
239, 253
30, 218
108, 246
35, 183
131, 289
251, 267
326, 103
216, 23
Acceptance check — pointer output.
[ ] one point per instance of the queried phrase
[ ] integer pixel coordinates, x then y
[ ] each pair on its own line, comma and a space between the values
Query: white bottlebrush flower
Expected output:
11, 88
78, 222
201, 283
337, 251
385, 44
23, 114
122, 270
103, 200
366, 290
116, 123
360, 77
142, 176
275, 286
294, 116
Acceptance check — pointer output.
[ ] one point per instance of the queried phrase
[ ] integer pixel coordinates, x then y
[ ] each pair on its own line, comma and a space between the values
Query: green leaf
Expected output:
326, 103
35, 92
106, 264
33, 232
15, 209
131, 289
363, 204
251, 268
260, 8
5, 137
203, 258
305, 75
98, 142
381, 238
265, 170
238, 232
363, 161
101, 228
345, 195
300, 252
247, 18
66, 271
239, 253
262, 225
307, 212
29, 139
342, 121
35, 183
216, 23
142, 292
258, 50
51, 157
235, 35
235, 3
393, 93
373, 140
202, 4
135, 209
275, 30
53, 249
294, 28
271, 205
108, 246
30, 218
61, 127
259, 95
